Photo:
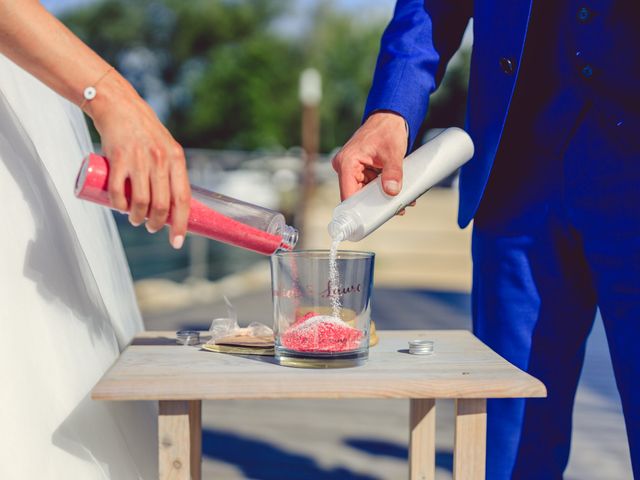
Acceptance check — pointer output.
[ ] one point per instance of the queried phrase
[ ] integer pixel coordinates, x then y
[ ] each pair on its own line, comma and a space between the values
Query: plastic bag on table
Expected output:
227, 331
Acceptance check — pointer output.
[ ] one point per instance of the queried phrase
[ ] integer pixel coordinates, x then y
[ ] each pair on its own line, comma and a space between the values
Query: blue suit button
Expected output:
587, 71
508, 65
583, 14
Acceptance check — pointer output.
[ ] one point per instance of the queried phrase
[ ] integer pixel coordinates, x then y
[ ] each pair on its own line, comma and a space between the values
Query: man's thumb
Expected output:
392, 178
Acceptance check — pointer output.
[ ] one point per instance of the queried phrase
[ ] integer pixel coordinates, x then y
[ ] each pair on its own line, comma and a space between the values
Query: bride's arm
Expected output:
137, 144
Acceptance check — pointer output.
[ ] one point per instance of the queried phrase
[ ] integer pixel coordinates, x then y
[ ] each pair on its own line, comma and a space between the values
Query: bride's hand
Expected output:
138, 146
140, 149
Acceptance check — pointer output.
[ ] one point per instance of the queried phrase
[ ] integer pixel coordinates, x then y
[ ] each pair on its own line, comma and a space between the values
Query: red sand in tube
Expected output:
209, 223
321, 333
202, 219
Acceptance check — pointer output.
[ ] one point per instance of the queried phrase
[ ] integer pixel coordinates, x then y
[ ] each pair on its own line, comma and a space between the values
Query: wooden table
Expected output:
153, 367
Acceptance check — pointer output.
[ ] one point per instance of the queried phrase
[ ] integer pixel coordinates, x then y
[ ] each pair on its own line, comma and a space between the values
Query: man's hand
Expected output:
378, 146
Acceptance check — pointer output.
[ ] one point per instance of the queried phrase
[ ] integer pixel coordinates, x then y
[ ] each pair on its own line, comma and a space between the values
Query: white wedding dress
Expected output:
67, 305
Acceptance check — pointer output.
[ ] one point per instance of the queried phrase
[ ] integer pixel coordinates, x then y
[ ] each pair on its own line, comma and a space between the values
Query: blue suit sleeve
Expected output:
415, 49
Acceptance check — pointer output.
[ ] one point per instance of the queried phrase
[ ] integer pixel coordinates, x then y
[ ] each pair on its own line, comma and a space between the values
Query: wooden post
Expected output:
310, 96
470, 439
180, 440
422, 439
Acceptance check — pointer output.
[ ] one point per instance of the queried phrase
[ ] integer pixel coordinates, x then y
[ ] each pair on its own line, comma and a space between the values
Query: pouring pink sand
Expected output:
92, 184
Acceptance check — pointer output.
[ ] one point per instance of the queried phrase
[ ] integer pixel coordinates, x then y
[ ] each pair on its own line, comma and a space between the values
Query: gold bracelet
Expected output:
91, 92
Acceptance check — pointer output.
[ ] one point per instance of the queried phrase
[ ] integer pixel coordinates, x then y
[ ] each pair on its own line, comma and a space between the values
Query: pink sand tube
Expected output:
212, 215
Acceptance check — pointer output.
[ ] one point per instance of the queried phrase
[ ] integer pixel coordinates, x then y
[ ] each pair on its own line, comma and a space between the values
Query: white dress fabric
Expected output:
67, 305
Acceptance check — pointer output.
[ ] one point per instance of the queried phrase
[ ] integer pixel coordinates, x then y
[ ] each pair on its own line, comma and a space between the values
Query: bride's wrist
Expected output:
112, 92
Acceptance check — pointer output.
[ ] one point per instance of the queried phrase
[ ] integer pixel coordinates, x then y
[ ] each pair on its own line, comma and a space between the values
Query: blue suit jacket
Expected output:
415, 48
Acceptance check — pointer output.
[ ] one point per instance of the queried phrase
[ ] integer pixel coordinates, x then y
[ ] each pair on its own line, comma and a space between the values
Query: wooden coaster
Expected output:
265, 341
238, 350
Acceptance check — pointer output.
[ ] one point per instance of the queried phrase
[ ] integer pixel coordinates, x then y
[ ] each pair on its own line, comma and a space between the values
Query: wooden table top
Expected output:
153, 367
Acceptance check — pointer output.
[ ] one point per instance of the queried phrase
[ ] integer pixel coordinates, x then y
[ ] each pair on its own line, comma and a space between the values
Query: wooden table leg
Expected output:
195, 425
470, 439
180, 440
422, 439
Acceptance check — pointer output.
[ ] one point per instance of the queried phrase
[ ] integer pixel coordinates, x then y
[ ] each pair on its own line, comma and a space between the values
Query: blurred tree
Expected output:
245, 97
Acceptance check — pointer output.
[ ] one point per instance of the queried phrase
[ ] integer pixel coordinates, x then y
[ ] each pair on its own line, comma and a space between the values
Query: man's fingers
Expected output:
348, 185
404, 210
370, 175
347, 175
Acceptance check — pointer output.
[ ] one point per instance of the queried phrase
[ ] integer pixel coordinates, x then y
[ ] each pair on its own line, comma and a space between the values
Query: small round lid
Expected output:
421, 346
188, 337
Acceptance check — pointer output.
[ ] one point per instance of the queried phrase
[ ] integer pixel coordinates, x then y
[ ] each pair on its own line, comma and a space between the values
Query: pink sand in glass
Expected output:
321, 333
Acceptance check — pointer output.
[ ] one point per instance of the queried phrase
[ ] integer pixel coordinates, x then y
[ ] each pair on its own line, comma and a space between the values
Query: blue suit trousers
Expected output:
557, 236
